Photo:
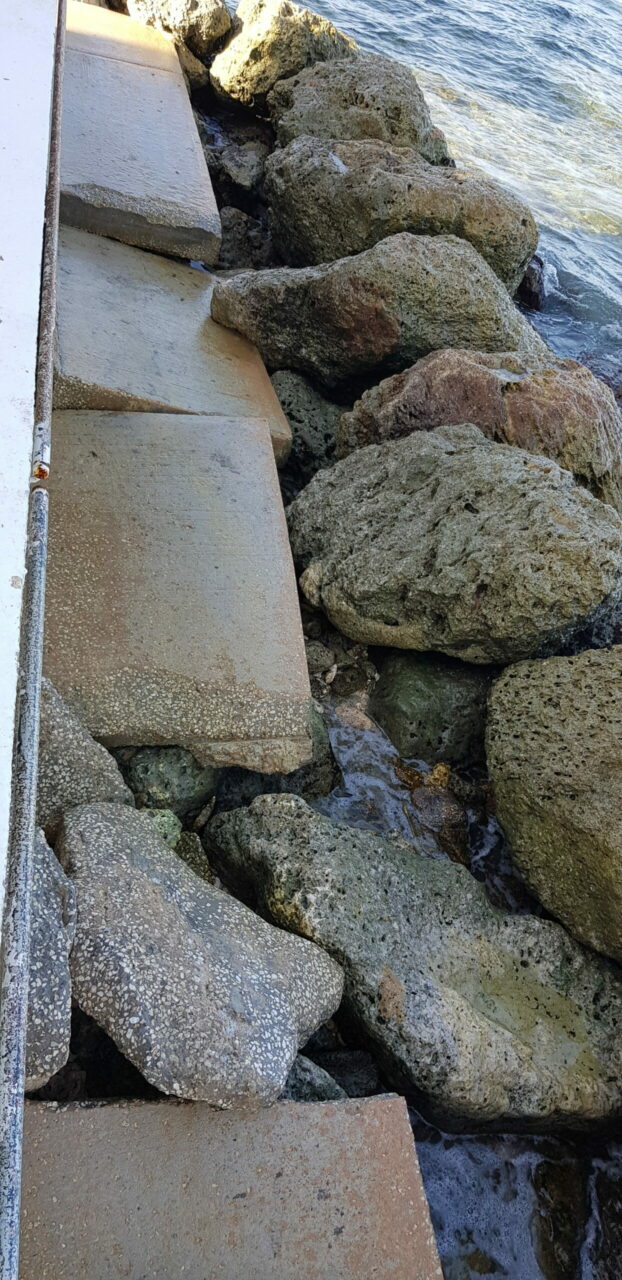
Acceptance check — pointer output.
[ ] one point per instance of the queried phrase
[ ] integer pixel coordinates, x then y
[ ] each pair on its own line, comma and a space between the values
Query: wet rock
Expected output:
206, 999
553, 745
73, 768
431, 708
246, 242
440, 813
492, 1018
446, 541
317, 778
366, 97
307, 1082
198, 23
273, 39
375, 312
557, 408
52, 927
329, 199
167, 778
607, 367
313, 420
531, 292
235, 146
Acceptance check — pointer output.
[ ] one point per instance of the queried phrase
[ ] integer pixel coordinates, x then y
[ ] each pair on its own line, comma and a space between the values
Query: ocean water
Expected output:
530, 91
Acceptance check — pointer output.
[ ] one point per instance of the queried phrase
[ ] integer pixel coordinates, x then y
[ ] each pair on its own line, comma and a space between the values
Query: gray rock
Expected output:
195, 72
168, 778
331, 198
553, 746
52, 926
432, 708
307, 1082
198, 23
73, 768
493, 1018
376, 312
313, 420
243, 163
191, 851
366, 97
246, 242
449, 542
353, 1070
273, 39
166, 823
206, 999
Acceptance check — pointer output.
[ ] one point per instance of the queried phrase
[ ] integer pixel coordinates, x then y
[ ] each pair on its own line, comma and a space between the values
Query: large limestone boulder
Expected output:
206, 999
557, 408
493, 1018
366, 97
330, 198
447, 541
273, 39
432, 708
553, 745
73, 768
198, 23
52, 925
375, 312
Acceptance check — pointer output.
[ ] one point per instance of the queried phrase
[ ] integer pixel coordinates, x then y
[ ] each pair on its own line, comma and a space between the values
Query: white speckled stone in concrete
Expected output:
52, 927
203, 996
133, 331
172, 614
132, 165
73, 768
166, 1190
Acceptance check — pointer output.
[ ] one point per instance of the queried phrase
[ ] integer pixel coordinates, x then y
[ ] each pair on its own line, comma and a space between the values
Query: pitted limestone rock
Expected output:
206, 999
553, 747
555, 407
73, 768
432, 708
333, 198
446, 541
364, 97
313, 420
273, 39
167, 778
52, 926
375, 312
494, 1018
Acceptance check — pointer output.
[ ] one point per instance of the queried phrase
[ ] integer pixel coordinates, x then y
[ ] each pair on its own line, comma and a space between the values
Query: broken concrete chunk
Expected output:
52, 926
206, 999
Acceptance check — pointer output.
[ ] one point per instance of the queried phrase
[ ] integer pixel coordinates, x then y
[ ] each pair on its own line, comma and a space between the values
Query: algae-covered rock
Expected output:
553, 746
555, 407
168, 778
448, 542
273, 39
333, 198
491, 1017
432, 708
198, 23
364, 97
377, 311
206, 999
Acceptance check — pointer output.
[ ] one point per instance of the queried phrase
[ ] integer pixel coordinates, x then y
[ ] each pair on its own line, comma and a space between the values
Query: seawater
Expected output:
529, 91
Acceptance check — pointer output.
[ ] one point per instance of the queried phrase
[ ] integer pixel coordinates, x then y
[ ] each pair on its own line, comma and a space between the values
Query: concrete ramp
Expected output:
172, 612
132, 165
133, 331
316, 1191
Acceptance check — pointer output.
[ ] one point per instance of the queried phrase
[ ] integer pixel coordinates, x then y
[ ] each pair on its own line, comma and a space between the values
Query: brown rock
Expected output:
560, 410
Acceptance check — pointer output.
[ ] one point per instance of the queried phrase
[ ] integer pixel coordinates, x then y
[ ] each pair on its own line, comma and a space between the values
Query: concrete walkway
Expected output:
132, 164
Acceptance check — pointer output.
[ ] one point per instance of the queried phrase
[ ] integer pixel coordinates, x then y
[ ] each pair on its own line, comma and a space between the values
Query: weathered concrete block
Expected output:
160, 1189
52, 926
172, 615
134, 332
132, 165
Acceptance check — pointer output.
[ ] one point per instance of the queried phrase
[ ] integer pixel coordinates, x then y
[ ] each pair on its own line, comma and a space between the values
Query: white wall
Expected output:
27, 32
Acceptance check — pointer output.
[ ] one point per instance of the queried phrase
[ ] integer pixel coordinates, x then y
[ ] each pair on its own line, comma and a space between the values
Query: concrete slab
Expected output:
171, 607
132, 165
316, 1191
134, 332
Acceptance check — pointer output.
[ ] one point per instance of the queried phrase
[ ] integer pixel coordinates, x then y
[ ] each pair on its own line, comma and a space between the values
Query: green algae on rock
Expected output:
553, 747
432, 708
492, 1018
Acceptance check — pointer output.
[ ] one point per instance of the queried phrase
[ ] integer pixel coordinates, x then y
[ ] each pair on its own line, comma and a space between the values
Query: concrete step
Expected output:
133, 331
315, 1191
132, 165
172, 613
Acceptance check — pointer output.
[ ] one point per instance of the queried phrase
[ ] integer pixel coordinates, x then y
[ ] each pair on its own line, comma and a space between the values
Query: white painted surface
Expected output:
27, 32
